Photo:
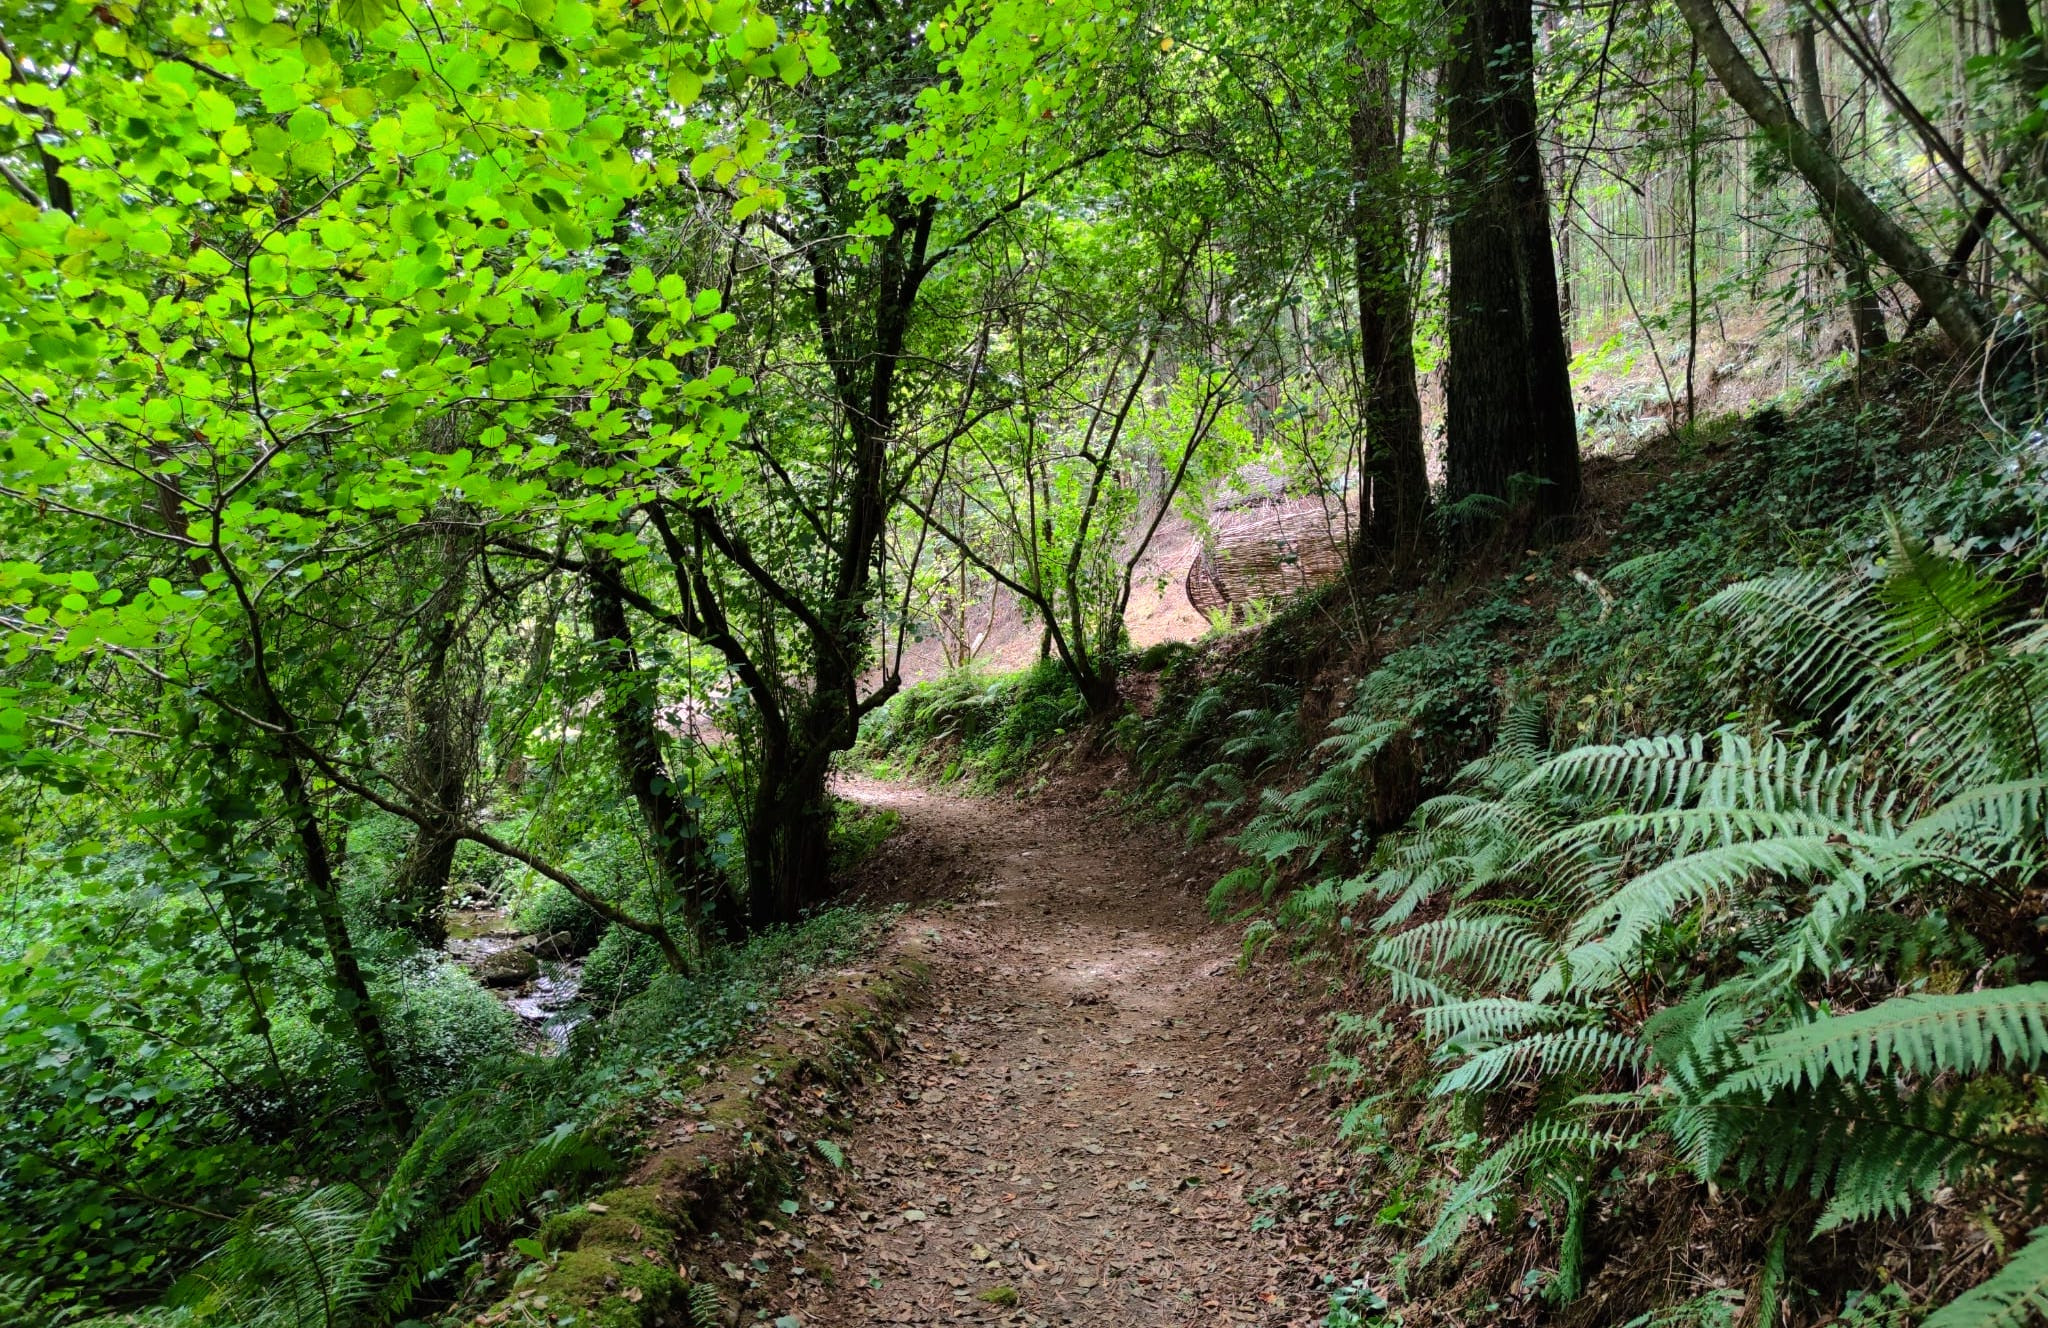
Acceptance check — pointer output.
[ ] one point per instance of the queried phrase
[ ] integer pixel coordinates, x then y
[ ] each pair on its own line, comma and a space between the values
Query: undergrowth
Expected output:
969, 725
1701, 864
1680, 885
506, 1140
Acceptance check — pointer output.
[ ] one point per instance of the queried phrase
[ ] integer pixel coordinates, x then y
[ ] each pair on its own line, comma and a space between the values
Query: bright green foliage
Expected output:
300, 302
983, 726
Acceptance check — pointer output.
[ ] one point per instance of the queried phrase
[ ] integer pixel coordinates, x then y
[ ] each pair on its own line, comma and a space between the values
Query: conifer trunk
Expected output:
1393, 494
1508, 410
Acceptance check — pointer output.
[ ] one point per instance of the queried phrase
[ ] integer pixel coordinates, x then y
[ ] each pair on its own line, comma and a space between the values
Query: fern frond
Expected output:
1548, 1145
1817, 634
1965, 1033
288, 1264
2012, 1297
707, 1307
1576, 1051
1709, 877
1877, 1149
1641, 773
503, 1197
1496, 949
1476, 1022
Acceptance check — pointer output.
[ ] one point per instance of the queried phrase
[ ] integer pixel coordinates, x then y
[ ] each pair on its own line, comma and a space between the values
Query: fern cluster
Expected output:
1743, 946
341, 1257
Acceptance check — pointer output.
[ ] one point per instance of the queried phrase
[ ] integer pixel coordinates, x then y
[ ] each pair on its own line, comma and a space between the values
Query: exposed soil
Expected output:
1097, 1117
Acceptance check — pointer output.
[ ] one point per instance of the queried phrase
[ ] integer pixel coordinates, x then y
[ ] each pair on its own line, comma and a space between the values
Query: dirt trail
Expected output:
1097, 1118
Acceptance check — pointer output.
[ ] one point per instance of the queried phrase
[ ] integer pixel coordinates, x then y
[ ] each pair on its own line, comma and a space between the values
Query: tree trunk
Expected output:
1393, 493
2016, 31
1853, 211
789, 836
1866, 315
440, 764
1100, 693
351, 992
1507, 385
632, 708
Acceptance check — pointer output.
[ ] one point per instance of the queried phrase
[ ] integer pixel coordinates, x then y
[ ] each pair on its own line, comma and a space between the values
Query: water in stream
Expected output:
549, 1003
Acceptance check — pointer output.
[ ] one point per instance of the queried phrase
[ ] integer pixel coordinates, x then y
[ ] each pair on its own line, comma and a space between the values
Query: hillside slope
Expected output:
1712, 1028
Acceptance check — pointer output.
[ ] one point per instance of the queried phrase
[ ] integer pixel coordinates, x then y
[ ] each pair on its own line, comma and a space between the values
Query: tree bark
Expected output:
1840, 195
1393, 496
352, 992
788, 841
632, 708
1507, 385
440, 763
2015, 23
1866, 315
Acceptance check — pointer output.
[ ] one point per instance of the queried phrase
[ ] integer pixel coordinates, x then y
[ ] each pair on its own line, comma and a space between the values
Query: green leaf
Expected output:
362, 15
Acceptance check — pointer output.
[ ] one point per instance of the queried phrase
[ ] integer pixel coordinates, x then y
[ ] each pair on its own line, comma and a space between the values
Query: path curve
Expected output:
1097, 1118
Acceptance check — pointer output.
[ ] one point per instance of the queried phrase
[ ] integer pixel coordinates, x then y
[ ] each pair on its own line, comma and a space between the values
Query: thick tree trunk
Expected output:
1393, 494
1855, 212
632, 707
1866, 315
1507, 386
789, 839
789, 845
440, 764
1098, 687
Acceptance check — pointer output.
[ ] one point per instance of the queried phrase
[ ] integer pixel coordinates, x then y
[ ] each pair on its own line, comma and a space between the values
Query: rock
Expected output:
508, 968
554, 945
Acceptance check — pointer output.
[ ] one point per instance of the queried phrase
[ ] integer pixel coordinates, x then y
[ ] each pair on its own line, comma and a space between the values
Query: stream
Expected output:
517, 968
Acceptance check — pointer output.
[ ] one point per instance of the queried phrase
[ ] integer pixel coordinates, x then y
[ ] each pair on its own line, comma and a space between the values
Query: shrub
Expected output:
551, 909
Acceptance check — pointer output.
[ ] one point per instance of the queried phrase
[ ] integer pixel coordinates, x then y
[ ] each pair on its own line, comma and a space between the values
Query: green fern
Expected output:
1536, 915
334, 1257
2014, 1296
1577, 1052
1875, 1149
707, 1307
1548, 1150
1966, 1033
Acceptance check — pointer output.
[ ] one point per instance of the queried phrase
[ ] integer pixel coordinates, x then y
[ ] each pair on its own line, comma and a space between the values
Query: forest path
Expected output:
1096, 1118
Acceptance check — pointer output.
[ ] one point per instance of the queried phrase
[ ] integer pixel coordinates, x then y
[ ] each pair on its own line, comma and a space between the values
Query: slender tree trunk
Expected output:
1507, 386
1852, 211
1393, 494
351, 992
1866, 315
632, 707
